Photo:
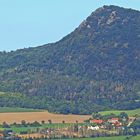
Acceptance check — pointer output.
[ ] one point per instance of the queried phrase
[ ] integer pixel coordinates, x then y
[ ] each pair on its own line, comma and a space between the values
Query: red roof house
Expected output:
96, 121
113, 120
117, 124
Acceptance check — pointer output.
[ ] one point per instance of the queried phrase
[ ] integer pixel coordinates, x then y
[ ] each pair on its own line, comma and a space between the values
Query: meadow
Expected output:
17, 109
34, 128
117, 112
110, 138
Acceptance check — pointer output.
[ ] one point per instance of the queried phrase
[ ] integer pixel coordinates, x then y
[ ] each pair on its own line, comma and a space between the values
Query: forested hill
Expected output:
96, 67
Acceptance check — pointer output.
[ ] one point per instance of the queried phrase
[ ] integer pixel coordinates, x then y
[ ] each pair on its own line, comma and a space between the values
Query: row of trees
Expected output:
26, 124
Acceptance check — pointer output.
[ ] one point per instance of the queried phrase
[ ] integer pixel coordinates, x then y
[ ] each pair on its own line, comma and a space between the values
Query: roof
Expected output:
114, 119
96, 121
117, 123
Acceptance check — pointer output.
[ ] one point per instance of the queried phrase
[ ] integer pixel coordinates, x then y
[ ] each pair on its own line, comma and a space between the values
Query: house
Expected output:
93, 128
113, 120
130, 120
96, 121
117, 124
1, 135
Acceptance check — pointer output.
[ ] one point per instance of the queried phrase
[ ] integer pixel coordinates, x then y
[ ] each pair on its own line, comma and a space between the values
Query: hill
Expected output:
96, 67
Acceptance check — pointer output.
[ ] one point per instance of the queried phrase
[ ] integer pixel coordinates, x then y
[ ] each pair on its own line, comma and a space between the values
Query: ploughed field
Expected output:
11, 117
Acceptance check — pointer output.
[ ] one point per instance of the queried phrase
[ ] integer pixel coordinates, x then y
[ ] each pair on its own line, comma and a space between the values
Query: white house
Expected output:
93, 128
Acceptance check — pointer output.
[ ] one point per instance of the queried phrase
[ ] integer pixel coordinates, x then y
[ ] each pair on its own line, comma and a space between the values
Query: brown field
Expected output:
39, 116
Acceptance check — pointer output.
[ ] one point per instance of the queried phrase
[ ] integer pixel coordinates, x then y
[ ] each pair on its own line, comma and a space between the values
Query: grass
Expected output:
110, 138
117, 112
20, 129
33, 129
17, 109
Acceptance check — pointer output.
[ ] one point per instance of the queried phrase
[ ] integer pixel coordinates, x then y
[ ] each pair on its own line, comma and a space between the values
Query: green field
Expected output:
117, 112
110, 138
33, 129
9, 109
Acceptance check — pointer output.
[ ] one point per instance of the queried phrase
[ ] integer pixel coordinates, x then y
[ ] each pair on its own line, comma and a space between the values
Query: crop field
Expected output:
11, 115
39, 116
117, 112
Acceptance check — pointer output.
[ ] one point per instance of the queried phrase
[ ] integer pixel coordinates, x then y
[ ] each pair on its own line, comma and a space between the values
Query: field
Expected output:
17, 109
39, 116
33, 129
110, 138
117, 112
11, 115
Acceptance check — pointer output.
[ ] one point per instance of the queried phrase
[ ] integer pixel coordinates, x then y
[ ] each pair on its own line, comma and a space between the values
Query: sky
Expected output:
31, 23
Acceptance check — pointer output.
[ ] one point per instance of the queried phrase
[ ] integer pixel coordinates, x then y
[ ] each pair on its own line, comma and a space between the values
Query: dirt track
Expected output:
39, 116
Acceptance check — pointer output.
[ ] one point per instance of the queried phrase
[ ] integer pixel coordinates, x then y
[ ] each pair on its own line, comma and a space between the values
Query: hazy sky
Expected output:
29, 23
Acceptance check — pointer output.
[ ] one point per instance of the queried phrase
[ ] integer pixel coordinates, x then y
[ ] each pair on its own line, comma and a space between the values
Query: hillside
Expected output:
96, 67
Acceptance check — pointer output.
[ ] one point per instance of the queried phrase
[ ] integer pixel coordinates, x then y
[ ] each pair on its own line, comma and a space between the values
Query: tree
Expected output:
96, 115
108, 116
75, 127
42, 122
108, 125
23, 123
123, 116
50, 121
136, 124
76, 122
5, 125
36, 124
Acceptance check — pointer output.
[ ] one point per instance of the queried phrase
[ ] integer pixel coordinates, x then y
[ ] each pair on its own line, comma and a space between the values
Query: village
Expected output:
96, 126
